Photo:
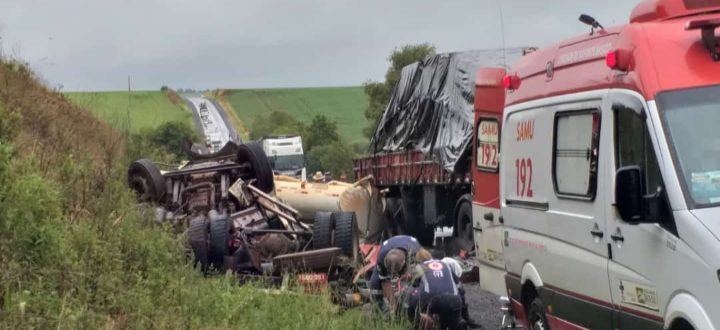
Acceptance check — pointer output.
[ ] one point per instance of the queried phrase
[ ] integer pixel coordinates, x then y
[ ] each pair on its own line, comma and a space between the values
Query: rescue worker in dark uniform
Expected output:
456, 269
434, 291
393, 259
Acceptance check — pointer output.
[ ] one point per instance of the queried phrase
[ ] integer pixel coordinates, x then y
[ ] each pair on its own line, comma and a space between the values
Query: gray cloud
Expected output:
96, 44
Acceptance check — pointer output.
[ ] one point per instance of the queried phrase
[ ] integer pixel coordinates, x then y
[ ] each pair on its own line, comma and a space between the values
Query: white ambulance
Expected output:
610, 175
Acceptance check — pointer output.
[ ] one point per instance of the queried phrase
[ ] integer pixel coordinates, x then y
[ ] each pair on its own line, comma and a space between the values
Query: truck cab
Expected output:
286, 155
609, 170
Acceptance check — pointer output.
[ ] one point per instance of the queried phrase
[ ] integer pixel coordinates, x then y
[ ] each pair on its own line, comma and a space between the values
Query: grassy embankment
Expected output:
77, 252
344, 105
145, 109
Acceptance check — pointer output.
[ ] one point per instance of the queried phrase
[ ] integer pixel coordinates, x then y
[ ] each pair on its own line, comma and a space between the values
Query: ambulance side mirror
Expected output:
629, 193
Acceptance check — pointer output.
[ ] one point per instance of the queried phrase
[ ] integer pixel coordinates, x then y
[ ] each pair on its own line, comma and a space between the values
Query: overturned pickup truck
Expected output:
224, 204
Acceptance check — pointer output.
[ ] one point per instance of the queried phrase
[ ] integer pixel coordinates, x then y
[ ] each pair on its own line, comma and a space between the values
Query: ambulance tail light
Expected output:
511, 82
618, 59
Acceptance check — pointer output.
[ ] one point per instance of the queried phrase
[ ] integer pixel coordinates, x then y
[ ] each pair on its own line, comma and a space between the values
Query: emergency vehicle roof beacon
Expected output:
609, 189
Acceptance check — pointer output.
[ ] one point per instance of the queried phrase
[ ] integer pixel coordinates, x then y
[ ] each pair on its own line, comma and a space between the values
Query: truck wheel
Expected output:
346, 234
414, 224
323, 230
199, 241
536, 315
253, 153
394, 219
146, 180
218, 242
464, 225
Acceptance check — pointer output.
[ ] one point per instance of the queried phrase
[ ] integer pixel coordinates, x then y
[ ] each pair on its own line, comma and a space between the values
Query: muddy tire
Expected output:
323, 230
346, 234
536, 315
253, 154
146, 180
218, 242
198, 237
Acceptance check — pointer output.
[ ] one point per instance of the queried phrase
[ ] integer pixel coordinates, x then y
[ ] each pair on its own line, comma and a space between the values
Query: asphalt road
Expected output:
216, 126
484, 307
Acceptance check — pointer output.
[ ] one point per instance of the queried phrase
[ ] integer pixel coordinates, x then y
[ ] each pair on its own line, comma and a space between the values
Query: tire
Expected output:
414, 224
198, 237
146, 180
346, 234
394, 219
253, 153
536, 315
218, 242
323, 230
464, 225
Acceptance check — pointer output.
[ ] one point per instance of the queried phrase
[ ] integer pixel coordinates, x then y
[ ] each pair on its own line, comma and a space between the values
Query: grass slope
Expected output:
148, 109
345, 105
76, 251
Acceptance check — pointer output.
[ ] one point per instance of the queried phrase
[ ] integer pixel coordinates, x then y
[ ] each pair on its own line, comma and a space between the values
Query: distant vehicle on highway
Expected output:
286, 155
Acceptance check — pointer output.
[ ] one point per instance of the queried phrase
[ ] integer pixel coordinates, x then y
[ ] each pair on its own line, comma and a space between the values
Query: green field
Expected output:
146, 109
345, 105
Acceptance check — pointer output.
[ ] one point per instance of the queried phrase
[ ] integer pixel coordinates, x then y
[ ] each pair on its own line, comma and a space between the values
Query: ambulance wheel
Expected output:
346, 234
536, 315
253, 153
323, 230
146, 180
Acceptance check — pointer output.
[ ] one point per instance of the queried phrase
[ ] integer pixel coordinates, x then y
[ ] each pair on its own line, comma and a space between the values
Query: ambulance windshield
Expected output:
692, 123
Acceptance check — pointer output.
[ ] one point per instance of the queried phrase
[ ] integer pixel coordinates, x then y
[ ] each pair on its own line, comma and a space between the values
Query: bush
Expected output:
335, 157
169, 137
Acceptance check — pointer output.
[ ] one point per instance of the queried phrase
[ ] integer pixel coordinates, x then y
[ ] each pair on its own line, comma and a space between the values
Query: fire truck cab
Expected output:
609, 175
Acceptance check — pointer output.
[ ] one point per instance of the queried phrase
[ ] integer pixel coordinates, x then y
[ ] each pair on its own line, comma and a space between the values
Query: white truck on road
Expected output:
286, 155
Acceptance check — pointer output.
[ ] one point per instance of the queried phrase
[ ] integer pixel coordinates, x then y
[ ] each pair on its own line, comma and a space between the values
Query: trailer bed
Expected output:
406, 168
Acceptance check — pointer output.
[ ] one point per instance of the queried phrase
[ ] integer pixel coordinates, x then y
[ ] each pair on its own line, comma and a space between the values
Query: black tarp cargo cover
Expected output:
431, 107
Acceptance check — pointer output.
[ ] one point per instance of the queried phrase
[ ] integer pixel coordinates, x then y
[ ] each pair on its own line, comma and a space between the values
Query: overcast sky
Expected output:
97, 44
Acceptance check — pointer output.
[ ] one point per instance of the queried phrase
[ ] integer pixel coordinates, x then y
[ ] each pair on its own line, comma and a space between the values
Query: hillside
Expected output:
146, 109
345, 105
78, 252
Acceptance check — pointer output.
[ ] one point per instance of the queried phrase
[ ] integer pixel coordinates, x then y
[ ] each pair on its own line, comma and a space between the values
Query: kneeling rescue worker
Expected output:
434, 290
395, 255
